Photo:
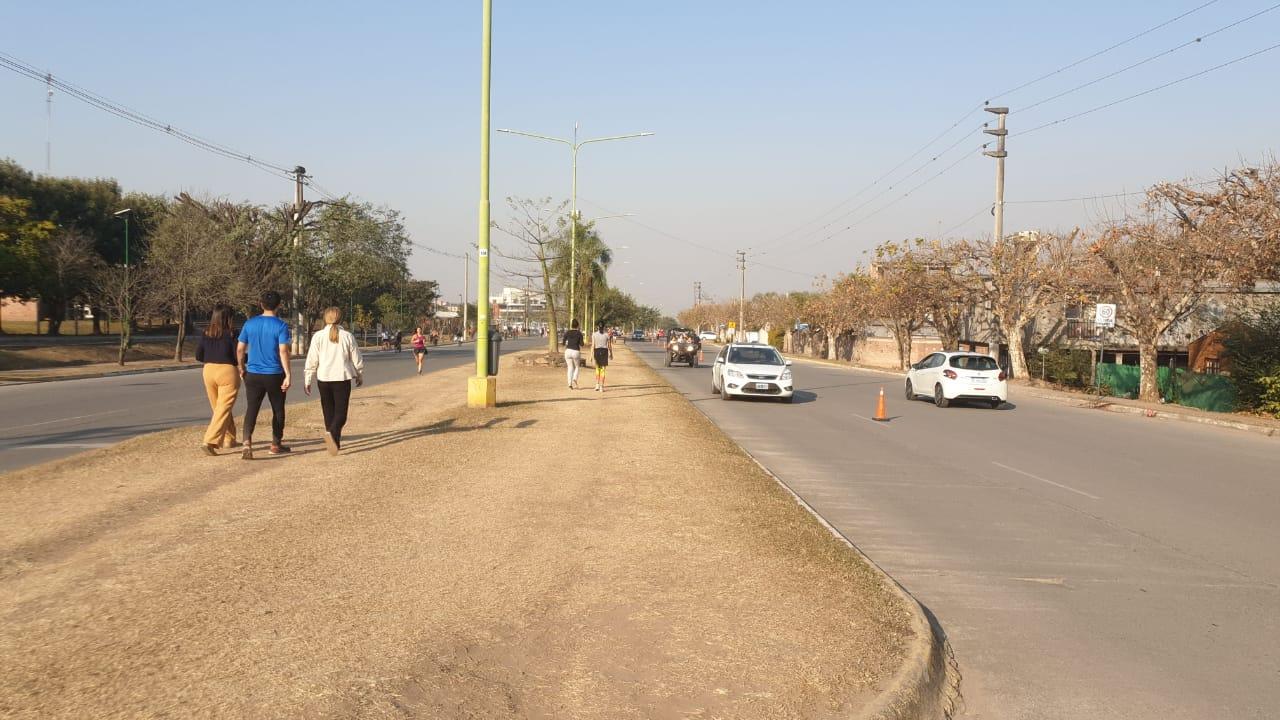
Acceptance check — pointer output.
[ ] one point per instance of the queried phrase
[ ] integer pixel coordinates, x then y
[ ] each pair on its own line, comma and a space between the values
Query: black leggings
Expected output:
260, 386
334, 399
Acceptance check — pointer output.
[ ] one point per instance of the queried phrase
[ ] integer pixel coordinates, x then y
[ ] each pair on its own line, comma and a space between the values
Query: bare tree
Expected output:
122, 291
66, 261
533, 226
1019, 277
191, 264
1189, 243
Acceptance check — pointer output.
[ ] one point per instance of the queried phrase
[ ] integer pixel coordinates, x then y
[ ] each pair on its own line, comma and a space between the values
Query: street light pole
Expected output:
126, 295
482, 390
574, 146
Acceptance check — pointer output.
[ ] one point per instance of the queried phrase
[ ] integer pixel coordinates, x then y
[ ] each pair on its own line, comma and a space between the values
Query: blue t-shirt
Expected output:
264, 335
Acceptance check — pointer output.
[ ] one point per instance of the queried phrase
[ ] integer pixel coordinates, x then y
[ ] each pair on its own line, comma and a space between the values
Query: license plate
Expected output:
762, 386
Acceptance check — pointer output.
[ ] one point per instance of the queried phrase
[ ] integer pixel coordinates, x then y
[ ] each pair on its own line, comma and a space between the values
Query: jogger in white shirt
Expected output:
334, 360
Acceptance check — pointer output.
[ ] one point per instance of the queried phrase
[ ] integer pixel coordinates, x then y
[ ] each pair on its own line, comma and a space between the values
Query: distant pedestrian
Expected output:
573, 353
602, 351
398, 340
333, 361
419, 342
217, 350
263, 355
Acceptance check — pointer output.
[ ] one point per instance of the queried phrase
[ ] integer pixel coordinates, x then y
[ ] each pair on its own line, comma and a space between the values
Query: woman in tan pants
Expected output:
217, 350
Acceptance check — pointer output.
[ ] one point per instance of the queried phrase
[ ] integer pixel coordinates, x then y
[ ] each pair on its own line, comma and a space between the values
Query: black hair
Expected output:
600, 327
574, 324
270, 300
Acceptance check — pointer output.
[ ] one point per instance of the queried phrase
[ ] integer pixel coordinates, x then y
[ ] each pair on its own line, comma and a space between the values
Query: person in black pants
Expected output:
263, 356
333, 362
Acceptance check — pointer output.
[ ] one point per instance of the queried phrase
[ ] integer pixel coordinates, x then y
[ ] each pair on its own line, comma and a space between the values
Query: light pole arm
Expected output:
535, 135
614, 137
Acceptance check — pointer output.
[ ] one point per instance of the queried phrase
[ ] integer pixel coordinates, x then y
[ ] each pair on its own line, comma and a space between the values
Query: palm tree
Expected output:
593, 261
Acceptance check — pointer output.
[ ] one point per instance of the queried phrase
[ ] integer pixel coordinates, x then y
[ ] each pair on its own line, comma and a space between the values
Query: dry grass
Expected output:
567, 555
72, 355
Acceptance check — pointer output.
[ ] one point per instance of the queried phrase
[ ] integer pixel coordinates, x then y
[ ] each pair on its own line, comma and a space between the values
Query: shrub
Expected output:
1253, 347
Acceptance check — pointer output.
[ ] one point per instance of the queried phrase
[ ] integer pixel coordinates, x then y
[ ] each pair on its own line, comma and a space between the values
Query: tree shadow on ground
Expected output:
376, 441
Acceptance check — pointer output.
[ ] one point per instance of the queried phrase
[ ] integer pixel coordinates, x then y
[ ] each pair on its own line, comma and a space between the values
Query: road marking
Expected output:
1050, 482
62, 446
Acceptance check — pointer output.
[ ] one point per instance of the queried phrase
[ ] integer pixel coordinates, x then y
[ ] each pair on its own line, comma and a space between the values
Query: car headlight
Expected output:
786, 376
735, 374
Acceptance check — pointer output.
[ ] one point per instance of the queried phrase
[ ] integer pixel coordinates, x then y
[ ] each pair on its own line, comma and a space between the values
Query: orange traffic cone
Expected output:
700, 356
880, 413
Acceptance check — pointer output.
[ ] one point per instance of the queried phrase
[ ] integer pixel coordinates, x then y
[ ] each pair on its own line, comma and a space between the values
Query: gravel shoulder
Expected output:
568, 554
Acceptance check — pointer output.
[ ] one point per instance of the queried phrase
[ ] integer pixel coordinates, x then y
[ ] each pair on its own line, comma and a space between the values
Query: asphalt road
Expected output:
1084, 564
45, 421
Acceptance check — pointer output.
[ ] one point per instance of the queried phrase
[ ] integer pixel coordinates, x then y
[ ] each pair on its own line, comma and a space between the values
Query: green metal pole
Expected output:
573, 227
482, 280
128, 310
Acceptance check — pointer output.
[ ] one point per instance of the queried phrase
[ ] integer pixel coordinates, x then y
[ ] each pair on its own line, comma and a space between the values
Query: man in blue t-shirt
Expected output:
263, 356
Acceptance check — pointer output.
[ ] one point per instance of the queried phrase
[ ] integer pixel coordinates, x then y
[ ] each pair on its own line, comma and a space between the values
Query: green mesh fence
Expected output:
1207, 392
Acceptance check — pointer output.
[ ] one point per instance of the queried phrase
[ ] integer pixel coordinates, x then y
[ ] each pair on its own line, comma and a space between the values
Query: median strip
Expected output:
568, 554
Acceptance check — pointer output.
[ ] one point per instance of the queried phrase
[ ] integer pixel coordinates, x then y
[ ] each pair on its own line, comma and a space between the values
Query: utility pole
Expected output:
48, 124
742, 296
299, 173
697, 293
466, 291
999, 154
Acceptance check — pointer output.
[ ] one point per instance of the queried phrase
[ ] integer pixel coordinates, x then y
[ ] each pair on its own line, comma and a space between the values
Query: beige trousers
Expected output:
222, 384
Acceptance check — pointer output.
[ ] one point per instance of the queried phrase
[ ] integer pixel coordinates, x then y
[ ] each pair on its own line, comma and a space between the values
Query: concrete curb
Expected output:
113, 373
927, 686
1095, 404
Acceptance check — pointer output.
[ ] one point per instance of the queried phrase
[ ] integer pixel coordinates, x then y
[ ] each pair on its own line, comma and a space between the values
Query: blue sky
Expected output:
767, 114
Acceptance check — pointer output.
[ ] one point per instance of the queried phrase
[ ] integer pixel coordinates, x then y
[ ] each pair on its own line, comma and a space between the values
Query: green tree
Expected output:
1253, 346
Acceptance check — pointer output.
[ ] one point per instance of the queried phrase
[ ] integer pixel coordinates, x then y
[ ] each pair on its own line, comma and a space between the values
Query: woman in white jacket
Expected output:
333, 361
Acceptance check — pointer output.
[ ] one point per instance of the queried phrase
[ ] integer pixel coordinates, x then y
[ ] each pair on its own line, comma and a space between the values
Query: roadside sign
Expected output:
1104, 315
733, 325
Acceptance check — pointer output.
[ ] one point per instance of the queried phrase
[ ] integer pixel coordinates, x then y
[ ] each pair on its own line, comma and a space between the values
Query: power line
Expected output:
889, 204
1144, 61
1108, 196
663, 233
16, 65
1148, 91
1102, 52
969, 113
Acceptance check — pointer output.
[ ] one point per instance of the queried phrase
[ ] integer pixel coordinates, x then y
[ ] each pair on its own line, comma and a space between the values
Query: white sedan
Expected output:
751, 370
949, 376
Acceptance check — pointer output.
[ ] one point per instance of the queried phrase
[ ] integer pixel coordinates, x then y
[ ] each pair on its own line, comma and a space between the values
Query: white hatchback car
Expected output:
950, 376
751, 370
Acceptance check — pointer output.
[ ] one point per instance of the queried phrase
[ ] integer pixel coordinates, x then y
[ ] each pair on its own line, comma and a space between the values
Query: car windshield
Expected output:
754, 356
974, 362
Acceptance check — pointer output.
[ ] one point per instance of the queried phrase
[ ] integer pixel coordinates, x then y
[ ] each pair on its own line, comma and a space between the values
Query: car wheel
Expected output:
724, 395
714, 388
693, 364
938, 398
911, 392
995, 404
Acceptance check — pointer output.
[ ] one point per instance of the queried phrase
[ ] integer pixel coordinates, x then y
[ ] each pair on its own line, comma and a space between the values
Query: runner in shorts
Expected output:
419, 347
572, 353
602, 348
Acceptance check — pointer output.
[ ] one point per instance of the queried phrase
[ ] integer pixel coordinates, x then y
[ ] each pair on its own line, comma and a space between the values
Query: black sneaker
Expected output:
277, 449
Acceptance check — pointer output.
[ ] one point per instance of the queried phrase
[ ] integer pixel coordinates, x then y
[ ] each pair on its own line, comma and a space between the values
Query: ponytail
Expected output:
332, 316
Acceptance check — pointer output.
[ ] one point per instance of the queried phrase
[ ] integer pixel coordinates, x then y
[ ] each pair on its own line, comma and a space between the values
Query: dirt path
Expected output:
566, 555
